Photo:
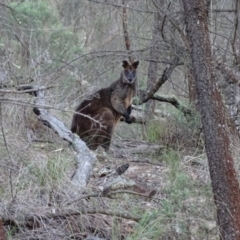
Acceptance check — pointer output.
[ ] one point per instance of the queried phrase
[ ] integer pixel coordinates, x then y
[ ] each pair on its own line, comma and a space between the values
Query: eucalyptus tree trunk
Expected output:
214, 117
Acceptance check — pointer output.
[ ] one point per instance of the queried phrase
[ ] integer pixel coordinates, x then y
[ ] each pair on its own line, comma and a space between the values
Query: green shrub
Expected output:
175, 130
33, 14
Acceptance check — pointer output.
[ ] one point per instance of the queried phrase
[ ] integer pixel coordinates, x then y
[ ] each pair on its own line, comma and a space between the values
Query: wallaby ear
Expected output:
135, 64
125, 63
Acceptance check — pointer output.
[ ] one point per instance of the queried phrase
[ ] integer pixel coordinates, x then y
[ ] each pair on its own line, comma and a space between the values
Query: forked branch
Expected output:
146, 95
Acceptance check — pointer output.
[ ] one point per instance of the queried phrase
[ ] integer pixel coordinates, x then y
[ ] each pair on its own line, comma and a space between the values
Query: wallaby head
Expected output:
129, 74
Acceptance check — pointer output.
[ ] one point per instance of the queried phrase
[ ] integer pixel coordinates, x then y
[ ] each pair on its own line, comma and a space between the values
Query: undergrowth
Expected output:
186, 209
176, 130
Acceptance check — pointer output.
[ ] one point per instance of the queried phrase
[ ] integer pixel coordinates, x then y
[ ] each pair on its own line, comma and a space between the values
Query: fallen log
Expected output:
85, 158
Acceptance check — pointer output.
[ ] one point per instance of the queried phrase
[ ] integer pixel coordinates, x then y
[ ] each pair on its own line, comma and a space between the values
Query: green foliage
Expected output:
64, 43
11, 232
154, 131
148, 228
33, 14
42, 37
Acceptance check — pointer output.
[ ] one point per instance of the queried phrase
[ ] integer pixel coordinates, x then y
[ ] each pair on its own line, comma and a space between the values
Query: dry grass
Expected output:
36, 185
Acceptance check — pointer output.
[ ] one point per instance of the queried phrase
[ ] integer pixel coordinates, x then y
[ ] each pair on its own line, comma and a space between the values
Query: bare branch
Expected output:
65, 214
22, 89
186, 111
146, 95
120, 6
101, 194
235, 40
224, 10
233, 75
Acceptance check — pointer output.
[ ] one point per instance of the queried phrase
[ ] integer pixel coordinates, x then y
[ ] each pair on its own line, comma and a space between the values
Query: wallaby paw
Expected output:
128, 120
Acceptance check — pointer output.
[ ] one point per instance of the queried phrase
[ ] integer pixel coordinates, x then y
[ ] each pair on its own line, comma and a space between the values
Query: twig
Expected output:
163, 22
98, 194
101, 194
120, 6
16, 101
20, 90
231, 74
133, 192
146, 161
235, 35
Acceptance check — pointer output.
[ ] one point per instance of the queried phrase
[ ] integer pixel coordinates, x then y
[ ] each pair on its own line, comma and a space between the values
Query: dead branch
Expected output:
224, 10
120, 6
146, 161
16, 101
85, 158
149, 195
22, 89
108, 194
146, 95
33, 219
186, 111
128, 148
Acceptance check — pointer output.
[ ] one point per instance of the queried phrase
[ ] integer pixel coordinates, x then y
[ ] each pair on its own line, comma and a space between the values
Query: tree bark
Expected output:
214, 116
2, 231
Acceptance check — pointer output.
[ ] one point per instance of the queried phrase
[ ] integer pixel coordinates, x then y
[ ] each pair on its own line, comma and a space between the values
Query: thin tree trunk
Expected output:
2, 231
153, 64
150, 105
125, 31
214, 119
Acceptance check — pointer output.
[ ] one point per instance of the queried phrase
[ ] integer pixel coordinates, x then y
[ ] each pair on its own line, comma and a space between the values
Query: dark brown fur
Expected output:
106, 106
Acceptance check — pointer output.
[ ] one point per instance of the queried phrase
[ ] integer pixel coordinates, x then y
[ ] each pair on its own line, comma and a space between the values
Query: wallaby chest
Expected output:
123, 93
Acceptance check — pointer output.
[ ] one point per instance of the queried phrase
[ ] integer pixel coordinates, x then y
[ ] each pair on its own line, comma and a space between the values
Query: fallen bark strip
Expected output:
85, 158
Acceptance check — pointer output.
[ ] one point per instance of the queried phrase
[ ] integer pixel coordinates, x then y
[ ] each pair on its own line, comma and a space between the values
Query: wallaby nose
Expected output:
130, 79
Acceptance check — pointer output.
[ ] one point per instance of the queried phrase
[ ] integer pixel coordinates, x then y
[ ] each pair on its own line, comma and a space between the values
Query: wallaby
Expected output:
106, 107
